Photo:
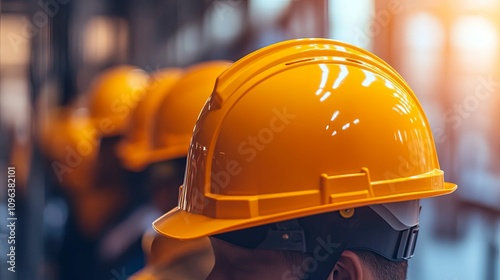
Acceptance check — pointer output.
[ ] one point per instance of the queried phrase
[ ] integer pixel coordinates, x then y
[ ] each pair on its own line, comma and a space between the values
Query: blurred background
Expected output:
448, 51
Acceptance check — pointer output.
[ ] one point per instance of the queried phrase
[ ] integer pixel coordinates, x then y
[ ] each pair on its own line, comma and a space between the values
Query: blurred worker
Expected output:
135, 147
165, 131
71, 154
68, 168
81, 142
308, 162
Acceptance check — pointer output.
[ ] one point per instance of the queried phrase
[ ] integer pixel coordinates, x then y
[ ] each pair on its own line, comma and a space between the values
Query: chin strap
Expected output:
372, 233
323, 250
286, 236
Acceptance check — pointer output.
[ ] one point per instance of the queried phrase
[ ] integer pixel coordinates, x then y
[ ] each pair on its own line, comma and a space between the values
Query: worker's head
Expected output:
165, 144
135, 146
112, 98
72, 136
309, 159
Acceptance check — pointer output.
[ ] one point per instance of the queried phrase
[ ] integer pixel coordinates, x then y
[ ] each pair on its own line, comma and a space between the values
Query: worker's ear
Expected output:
348, 267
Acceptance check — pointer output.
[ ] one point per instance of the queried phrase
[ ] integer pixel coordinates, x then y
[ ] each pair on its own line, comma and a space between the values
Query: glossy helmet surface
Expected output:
300, 128
175, 119
113, 96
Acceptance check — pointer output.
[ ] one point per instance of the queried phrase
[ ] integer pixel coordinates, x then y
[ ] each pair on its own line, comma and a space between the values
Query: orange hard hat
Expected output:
135, 147
179, 110
300, 128
113, 95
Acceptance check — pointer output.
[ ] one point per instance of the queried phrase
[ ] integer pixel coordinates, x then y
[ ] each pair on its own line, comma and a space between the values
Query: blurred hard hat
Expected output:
179, 110
135, 147
113, 95
167, 257
300, 128
71, 142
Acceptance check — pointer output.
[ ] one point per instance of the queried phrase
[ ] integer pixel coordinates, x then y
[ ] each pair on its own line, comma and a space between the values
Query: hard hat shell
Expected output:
300, 128
179, 110
133, 150
113, 95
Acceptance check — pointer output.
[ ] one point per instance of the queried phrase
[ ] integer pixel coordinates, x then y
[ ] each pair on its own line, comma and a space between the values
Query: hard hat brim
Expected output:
181, 224
168, 153
133, 156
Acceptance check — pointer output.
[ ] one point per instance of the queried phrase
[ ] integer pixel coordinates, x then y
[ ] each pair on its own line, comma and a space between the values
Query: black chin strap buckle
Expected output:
407, 243
287, 236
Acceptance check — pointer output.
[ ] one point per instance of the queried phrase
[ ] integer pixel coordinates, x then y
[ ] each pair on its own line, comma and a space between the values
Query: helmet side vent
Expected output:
353, 60
299, 61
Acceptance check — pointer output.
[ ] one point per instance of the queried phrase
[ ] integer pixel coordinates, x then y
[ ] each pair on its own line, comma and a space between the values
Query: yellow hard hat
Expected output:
71, 143
179, 110
135, 147
300, 128
113, 95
